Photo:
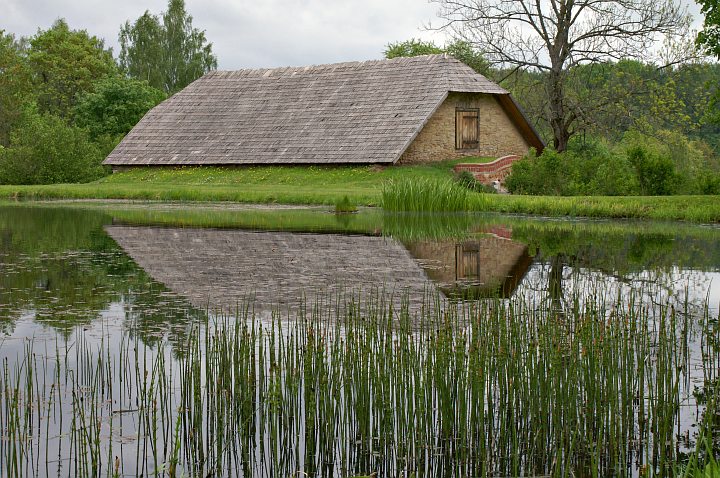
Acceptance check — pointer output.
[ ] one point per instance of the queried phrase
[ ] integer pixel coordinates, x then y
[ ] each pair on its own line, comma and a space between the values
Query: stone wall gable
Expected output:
498, 134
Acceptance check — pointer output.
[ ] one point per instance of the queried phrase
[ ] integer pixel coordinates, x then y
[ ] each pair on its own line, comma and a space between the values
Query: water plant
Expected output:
424, 195
345, 206
353, 385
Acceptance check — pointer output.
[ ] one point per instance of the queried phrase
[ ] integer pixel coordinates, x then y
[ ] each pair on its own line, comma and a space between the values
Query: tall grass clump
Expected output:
424, 195
492, 388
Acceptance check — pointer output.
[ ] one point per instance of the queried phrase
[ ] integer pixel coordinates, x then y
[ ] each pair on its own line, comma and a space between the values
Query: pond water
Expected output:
113, 319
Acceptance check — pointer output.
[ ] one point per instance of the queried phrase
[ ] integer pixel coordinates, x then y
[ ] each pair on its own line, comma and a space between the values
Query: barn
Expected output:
404, 110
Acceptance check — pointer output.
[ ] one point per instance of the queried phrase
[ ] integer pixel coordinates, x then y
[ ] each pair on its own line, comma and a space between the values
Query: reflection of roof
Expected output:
221, 268
357, 112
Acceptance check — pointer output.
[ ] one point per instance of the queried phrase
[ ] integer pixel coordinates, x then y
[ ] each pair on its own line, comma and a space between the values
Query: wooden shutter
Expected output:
466, 129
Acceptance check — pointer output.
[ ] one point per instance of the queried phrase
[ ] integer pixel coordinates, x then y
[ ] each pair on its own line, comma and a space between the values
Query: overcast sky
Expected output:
258, 33
245, 34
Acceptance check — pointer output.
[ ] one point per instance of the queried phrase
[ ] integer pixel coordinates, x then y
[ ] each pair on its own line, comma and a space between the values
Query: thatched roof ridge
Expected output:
355, 112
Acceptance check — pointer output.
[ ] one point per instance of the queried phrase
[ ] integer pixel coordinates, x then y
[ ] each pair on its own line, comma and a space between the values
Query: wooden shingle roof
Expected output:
360, 112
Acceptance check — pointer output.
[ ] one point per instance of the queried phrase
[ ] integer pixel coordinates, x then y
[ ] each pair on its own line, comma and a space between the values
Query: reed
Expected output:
353, 385
424, 195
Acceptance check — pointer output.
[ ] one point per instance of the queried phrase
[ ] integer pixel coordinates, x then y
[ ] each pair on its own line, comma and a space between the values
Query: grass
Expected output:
514, 388
362, 185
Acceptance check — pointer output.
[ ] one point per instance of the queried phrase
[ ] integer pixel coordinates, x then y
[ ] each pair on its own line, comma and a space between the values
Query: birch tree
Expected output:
554, 36
167, 51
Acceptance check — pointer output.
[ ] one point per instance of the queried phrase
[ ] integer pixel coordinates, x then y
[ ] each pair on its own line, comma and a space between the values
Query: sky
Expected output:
249, 34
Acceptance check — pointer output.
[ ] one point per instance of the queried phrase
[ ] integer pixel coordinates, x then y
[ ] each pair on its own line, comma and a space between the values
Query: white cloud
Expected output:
250, 34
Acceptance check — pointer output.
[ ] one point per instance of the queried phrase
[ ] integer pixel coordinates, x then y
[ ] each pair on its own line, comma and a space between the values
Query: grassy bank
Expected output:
362, 185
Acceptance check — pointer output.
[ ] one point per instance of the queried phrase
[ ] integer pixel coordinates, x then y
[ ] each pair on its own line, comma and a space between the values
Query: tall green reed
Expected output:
424, 195
488, 388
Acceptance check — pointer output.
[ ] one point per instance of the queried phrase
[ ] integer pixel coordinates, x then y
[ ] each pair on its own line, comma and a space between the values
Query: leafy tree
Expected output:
556, 36
15, 84
66, 63
412, 47
166, 51
44, 149
709, 37
115, 106
459, 49
709, 40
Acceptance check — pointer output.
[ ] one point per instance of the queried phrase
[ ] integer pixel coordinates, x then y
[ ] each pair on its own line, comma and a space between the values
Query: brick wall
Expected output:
436, 141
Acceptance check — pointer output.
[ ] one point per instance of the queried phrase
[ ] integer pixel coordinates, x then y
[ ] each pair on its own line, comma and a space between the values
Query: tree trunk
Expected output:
558, 110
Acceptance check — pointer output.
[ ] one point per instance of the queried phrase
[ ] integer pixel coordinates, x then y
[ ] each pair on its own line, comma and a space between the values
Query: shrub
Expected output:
467, 180
655, 172
44, 150
547, 174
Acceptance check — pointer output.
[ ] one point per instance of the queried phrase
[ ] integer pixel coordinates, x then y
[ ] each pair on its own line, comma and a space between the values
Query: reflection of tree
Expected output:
59, 266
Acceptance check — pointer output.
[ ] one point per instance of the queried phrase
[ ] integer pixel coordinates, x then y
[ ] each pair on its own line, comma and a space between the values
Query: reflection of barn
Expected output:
221, 268
484, 266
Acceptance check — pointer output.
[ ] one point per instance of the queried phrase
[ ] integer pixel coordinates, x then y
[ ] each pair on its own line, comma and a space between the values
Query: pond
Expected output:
171, 340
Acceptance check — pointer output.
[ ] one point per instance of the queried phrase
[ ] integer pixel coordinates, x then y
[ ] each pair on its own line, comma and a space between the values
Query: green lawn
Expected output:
259, 184
361, 184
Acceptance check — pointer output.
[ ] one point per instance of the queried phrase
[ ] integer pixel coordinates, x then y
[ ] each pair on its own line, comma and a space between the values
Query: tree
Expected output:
66, 63
709, 40
555, 36
709, 37
459, 49
412, 47
115, 106
166, 52
15, 84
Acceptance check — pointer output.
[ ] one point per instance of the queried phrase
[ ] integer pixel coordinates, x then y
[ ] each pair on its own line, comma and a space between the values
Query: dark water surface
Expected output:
131, 282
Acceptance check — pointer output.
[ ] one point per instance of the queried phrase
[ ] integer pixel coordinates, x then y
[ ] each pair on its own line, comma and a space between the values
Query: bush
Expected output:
655, 172
547, 174
45, 150
466, 179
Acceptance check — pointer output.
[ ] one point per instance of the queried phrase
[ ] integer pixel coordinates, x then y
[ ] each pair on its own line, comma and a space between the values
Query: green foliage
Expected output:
115, 106
666, 163
459, 49
655, 172
15, 84
466, 179
546, 174
464, 51
66, 63
166, 51
709, 37
345, 205
412, 47
44, 149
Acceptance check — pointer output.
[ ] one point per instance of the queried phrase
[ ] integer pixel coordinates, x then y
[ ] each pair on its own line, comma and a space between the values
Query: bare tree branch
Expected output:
553, 36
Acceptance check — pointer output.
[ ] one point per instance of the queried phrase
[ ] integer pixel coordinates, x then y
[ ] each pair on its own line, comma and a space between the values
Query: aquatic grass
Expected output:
345, 206
424, 195
493, 388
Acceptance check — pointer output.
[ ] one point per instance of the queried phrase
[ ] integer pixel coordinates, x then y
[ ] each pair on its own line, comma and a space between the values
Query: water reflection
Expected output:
68, 266
132, 279
277, 270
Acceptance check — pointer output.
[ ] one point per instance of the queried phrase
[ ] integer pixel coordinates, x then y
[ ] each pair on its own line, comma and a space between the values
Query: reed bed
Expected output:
491, 388
424, 195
